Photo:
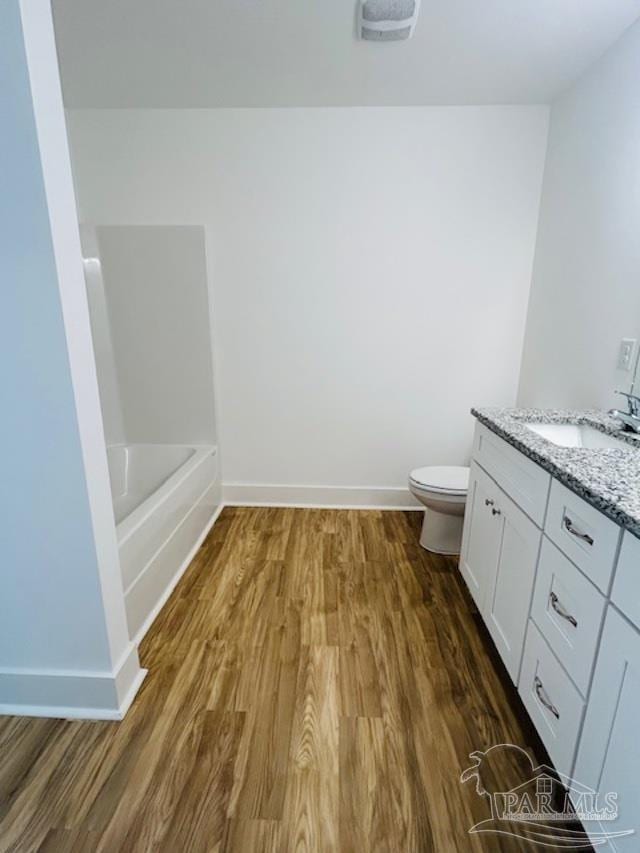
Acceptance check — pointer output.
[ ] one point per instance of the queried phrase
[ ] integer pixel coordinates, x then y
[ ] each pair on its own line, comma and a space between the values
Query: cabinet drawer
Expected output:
568, 610
626, 584
583, 533
521, 479
552, 700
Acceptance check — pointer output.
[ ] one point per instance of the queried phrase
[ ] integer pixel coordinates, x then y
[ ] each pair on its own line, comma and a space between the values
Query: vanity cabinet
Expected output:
558, 587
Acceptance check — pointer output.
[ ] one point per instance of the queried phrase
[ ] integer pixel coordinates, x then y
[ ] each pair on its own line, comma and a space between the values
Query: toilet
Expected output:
443, 491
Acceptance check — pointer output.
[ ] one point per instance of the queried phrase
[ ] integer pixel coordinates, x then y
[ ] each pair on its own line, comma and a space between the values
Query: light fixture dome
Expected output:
387, 20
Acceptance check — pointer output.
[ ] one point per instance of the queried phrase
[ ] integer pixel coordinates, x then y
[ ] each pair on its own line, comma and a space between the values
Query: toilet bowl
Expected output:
443, 491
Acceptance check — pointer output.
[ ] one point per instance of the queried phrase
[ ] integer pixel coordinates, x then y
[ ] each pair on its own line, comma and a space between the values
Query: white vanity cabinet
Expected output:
539, 562
557, 584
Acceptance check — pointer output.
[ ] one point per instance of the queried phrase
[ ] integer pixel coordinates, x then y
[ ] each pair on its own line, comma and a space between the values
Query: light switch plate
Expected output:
626, 353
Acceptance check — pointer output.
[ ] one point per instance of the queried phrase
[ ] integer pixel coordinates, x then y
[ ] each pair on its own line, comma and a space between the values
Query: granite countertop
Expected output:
608, 479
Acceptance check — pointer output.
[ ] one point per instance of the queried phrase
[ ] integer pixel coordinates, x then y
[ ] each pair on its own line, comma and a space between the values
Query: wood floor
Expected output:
316, 682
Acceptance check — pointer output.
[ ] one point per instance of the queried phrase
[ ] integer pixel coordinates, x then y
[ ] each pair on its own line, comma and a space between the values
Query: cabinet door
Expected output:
479, 552
510, 588
609, 752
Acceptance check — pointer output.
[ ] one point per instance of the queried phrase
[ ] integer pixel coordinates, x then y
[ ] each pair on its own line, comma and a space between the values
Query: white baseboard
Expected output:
67, 694
335, 497
131, 693
137, 639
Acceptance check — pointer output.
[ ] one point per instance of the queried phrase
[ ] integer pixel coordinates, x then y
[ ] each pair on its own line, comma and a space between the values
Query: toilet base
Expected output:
441, 534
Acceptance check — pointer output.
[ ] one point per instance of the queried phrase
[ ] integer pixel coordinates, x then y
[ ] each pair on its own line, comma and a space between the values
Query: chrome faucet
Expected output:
631, 418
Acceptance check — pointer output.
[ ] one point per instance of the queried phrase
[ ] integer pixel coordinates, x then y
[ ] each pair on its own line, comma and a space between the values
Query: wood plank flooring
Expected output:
316, 683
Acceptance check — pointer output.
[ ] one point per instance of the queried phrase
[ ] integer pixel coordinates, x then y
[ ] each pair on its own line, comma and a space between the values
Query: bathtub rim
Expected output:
137, 517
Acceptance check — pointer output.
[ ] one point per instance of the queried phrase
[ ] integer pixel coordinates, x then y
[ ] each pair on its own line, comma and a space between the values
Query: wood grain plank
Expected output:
199, 820
69, 840
252, 836
312, 803
357, 628
261, 770
364, 814
22, 741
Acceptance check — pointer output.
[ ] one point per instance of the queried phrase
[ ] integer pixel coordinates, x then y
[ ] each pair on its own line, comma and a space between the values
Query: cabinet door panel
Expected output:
479, 551
609, 752
506, 606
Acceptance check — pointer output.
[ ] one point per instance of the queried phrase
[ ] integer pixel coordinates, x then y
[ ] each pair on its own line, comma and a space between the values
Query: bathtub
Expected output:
164, 500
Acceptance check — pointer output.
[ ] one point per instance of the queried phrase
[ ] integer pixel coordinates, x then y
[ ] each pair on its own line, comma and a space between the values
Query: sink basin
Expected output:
577, 435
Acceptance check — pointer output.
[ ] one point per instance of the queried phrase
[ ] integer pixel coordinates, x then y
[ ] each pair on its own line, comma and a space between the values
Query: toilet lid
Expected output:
453, 479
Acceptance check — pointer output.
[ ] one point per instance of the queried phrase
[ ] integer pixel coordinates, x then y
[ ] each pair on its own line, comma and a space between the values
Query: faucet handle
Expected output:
633, 403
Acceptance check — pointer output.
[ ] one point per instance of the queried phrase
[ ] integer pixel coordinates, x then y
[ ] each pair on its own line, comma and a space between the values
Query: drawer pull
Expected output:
488, 502
496, 512
542, 696
568, 524
555, 603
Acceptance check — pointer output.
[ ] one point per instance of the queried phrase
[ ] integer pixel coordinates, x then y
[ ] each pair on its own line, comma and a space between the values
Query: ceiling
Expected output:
267, 53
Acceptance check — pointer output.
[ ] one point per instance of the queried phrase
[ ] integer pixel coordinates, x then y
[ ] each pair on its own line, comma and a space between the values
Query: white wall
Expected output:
586, 287
370, 270
64, 646
155, 286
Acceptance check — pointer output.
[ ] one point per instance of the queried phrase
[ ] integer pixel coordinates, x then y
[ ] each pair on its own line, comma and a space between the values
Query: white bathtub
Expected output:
164, 499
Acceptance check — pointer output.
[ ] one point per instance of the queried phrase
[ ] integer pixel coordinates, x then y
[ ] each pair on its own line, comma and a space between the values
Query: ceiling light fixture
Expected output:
387, 20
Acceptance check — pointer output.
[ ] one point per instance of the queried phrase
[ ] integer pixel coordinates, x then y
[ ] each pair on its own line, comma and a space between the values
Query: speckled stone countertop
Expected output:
608, 479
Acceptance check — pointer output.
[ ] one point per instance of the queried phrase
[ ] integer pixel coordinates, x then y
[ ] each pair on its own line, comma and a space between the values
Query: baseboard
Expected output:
335, 497
67, 694
130, 695
137, 639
